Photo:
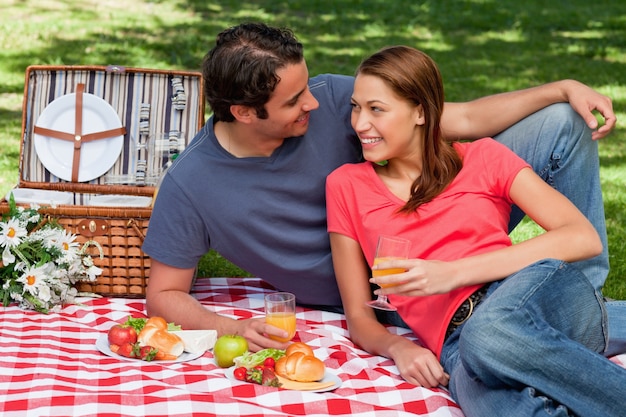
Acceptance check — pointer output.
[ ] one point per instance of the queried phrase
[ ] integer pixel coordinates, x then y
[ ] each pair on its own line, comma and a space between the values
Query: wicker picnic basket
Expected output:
159, 111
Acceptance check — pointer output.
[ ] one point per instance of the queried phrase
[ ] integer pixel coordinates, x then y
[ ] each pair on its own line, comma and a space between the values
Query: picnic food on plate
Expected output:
262, 374
120, 334
146, 339
156, 335
292, 368
258, 367
299, 364
227, 348
197, 341
249, 360
298, 347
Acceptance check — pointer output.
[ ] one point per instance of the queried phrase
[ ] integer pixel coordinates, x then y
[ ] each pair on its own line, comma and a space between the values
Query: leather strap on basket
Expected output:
78, 131
78, 138
133, 223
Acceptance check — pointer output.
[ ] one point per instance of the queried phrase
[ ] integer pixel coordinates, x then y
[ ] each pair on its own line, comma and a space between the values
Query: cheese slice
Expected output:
303, 386
197, 341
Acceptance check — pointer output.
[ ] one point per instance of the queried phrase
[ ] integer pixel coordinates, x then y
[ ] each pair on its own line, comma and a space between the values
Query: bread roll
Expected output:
300, 367
157, 321
161, 339
298, 347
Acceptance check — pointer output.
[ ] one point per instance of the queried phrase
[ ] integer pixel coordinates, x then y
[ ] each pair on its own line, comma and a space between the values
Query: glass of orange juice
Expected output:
388, 248
280, 311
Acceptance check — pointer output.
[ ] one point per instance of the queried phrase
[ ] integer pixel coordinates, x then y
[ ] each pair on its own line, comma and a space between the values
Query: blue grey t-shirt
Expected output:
266, 215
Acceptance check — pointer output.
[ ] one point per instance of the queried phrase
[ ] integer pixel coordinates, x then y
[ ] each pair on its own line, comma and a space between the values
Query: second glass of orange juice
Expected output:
280, 311
390, 271
388, 248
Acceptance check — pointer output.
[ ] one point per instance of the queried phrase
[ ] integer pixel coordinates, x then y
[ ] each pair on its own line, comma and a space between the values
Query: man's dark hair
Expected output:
241, 68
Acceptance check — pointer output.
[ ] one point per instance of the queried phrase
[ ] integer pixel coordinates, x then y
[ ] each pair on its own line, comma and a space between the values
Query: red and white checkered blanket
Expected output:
50, 366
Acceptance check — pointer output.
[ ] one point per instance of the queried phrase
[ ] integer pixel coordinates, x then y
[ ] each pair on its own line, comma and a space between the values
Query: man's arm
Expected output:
490, 115
168, 296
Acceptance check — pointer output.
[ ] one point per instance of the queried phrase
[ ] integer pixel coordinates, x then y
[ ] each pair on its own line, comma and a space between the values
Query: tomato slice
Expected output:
240, 373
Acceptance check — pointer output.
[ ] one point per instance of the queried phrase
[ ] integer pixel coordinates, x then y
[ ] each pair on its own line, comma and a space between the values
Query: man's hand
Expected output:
584, 100
487, 116
168, 296
256, 332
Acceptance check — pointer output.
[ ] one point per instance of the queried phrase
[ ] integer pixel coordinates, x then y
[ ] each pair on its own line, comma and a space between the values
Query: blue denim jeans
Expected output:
616, 311
564, 155
533, 348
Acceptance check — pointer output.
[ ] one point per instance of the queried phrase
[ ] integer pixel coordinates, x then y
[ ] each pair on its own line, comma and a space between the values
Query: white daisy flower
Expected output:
35, 278
68, 245
46, 287
16, 296
44, 293
12, 233
92, 272
7, 256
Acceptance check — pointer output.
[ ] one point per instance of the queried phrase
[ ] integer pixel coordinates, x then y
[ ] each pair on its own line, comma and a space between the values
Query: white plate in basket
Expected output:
41, 197
96, 157
120, 200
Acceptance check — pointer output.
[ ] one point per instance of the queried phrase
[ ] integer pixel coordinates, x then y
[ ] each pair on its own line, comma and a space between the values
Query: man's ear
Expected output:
242, 114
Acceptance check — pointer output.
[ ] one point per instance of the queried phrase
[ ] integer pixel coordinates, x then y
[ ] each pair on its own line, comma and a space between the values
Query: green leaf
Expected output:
136, 323
250, 360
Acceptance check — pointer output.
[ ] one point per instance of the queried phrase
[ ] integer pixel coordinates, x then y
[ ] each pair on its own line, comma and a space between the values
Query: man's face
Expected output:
290, 105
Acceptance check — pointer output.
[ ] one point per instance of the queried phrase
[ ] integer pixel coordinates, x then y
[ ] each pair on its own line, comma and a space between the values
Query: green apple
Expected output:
227, 348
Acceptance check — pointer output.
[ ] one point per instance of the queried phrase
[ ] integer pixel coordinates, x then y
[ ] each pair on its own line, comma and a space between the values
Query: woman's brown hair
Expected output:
414, 77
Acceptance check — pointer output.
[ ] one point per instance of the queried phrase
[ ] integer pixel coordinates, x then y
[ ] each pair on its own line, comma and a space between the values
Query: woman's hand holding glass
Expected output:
422, 277
388, 248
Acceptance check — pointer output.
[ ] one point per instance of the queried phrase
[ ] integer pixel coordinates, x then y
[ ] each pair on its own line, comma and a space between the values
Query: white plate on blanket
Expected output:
102, 344
96, 157
300, 386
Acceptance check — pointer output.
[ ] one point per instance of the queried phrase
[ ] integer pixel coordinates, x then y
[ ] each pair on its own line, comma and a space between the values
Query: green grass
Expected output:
481, 46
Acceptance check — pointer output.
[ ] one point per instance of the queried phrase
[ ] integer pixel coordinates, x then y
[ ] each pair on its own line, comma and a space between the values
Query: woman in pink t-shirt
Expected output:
509, 328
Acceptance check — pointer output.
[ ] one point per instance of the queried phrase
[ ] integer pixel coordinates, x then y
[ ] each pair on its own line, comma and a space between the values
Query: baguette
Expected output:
155, 334
300, 367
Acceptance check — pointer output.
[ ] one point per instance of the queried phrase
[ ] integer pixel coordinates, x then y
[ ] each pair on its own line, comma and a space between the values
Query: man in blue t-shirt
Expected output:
251, 183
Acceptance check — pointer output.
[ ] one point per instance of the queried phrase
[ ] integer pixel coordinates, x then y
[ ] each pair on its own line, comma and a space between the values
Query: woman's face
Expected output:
387, 125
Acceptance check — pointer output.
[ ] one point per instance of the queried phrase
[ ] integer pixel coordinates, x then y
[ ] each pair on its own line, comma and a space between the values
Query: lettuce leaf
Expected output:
250, 360
171, 327
138, 324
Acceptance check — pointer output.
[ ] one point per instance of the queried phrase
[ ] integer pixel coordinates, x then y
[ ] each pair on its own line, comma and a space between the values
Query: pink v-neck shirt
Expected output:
470, 217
